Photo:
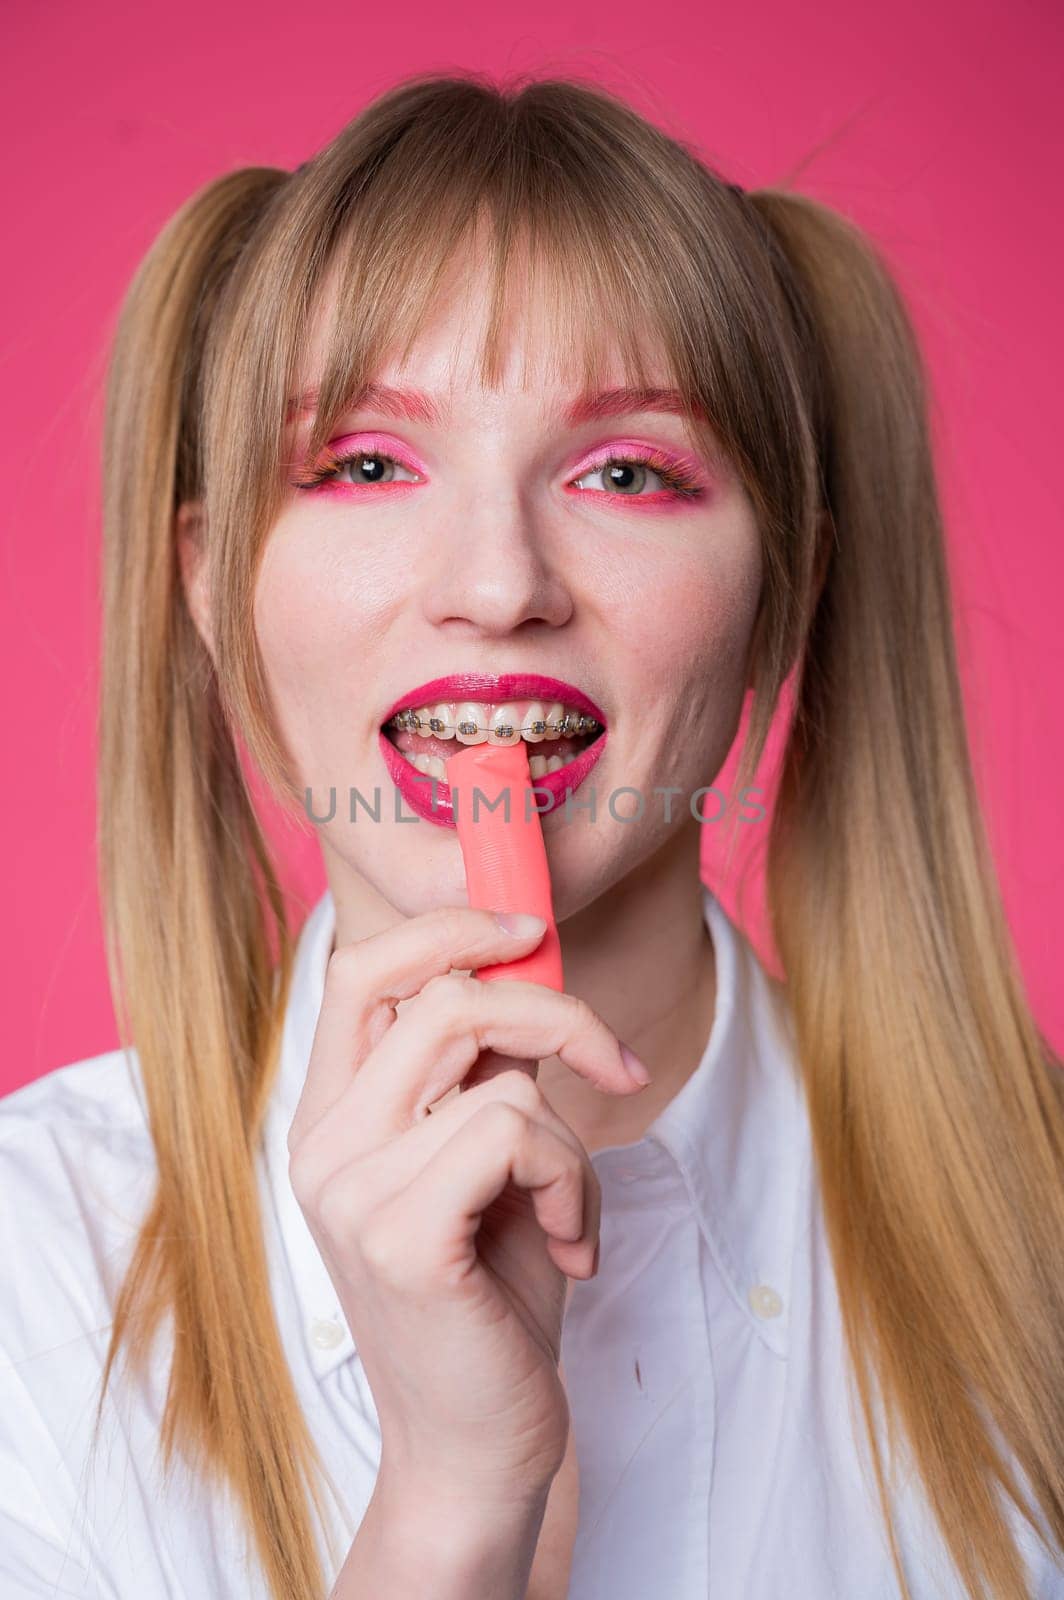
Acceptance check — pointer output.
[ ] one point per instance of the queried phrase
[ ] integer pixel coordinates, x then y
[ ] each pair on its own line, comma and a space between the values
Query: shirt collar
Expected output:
736, 1131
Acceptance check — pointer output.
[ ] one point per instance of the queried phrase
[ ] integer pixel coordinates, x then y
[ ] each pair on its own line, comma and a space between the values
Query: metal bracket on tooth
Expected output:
569, 727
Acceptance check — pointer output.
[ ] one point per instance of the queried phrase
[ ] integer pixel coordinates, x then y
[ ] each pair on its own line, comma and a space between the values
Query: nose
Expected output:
496, 572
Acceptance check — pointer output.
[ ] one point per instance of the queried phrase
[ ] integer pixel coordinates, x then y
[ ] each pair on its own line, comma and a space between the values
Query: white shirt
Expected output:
703, 1363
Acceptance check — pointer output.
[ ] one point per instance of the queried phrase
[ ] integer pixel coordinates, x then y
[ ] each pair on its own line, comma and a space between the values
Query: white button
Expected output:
765, 1301
326, 1334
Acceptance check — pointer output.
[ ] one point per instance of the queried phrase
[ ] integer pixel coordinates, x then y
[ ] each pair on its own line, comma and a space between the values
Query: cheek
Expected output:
688, 613
285, 613
310, 647
318, 611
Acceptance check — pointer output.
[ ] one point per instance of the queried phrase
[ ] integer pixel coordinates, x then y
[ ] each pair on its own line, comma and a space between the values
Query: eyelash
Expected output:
679, 481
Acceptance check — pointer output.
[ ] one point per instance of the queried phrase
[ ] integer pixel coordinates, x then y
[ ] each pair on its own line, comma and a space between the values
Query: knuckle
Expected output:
437, 983
574, 1202
451, 924
336, 1210
503, 1121
381, 1250
571, 1176
302, 1173
585, 1019
520, 1090
447, 994
587, 1030
345, 963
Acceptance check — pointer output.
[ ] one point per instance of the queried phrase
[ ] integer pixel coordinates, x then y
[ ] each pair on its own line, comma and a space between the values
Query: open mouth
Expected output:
556, 733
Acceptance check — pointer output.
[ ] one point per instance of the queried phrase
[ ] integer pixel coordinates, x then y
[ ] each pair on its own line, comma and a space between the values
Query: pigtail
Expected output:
193, 917
937, 1107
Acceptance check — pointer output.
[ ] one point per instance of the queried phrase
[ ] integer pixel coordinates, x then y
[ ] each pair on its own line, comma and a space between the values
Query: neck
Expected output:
641, 956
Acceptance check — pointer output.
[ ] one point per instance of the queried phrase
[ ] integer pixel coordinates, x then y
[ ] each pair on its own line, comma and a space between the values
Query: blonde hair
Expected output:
936, 1106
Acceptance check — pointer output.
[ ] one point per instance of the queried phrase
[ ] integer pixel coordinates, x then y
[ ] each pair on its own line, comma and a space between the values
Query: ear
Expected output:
190, 533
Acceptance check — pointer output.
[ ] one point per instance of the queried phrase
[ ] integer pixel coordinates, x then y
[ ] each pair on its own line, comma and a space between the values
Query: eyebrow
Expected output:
409, 404
414, 405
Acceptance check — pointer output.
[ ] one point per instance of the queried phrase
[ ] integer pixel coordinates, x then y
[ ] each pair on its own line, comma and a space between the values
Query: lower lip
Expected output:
416, 787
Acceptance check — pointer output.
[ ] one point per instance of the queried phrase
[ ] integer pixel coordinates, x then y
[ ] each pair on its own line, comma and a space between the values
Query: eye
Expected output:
642, 477
652, 475
367, 468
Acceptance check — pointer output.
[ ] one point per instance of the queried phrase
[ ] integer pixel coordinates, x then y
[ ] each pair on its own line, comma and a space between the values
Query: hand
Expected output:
450, 1235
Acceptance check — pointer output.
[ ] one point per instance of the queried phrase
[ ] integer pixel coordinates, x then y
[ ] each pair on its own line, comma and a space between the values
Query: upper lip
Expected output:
497, 688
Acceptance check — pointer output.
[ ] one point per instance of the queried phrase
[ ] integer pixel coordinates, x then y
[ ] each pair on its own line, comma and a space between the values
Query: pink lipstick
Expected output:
491, 687
429, 797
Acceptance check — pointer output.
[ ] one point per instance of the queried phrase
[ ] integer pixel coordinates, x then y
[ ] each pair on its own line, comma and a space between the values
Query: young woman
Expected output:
506, 413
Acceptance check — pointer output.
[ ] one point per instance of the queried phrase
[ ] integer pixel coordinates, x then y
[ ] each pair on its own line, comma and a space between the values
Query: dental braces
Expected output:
567, 728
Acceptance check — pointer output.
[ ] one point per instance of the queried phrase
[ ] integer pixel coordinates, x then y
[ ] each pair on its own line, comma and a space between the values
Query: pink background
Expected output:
934, 125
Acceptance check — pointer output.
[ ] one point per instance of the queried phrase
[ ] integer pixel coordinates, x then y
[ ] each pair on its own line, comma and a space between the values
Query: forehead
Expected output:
544, 339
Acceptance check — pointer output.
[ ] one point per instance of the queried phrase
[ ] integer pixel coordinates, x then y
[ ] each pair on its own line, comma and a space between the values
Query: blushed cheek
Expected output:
724, 617
321, 620
691, 630
722, 628
297, 624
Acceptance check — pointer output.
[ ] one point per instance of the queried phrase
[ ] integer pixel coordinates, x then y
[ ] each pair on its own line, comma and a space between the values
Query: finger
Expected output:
438, 1037
366, 980
492, 1063
432, 1223
389, 1170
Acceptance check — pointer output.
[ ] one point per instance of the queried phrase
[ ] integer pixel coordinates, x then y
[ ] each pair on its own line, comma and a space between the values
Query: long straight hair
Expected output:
936, 1106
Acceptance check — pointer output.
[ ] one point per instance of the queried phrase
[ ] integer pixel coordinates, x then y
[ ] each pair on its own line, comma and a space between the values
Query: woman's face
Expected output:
480, 531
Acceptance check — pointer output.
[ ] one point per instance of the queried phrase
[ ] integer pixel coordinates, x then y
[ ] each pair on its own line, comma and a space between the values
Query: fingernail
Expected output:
635, 1068
520, 924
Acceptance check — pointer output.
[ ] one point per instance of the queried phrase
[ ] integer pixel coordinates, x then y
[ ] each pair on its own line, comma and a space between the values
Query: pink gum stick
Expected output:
503, 850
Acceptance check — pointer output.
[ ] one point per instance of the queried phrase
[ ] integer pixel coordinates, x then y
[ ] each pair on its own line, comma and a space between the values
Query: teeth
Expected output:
505, 725
431, 766
473, 722
555, 713
535, 725
436, 766
469, 723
